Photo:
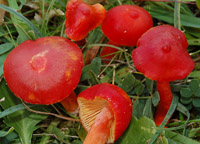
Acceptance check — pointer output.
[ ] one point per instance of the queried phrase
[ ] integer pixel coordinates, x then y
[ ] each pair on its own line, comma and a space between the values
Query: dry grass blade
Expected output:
2, 12
92, 52
47, 113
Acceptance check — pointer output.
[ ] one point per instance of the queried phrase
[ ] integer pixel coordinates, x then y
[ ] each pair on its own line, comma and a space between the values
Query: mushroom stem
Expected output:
100, 129
70, 103
166, 97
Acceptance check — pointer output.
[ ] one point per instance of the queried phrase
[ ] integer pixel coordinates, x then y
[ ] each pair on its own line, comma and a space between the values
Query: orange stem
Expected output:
166, 97
70, 103
100, 129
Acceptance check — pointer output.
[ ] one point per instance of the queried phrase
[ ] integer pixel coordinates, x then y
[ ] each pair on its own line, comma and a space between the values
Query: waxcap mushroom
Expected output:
92, 100
124, 24
81, 18
161, 54
43, 71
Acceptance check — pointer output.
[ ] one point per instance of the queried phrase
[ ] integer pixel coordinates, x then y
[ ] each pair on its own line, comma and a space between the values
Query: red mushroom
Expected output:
44, 71
162, 55
108, 52
82, 18
125, 24
105, 112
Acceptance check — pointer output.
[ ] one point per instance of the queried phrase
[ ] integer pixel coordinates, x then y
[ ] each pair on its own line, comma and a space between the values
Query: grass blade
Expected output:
30, 24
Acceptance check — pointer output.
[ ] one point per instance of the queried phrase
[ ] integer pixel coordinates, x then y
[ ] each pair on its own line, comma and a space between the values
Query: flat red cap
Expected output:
43, 71
161, 54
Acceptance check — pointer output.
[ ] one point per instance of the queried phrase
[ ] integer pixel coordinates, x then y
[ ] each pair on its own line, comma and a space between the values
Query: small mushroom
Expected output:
108, 52
44, 71
124, 24
105, 112
81, 18
161, 55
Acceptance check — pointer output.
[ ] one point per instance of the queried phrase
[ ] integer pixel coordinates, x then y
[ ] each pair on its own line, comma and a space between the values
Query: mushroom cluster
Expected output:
161, 55
47, 70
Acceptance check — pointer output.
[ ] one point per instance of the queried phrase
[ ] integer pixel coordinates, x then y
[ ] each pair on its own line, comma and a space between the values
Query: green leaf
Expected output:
194, 42
5, 47
194, 85
50, 128
189, 106
9, 138
185, 111
109, 76
128, 82
95, 65
138, 87
198, 3
186, 93
197, 93
4, 133
30, 24
138, 132
92, 78
94, 36
84, 74
81, 133
149, 84
129, 2
2, 59
185, 101
179, 139
167, 16
195, 74
196, 102
21, 27
136, 109
193, 132
155, 98
147, 111
13, 109
92, 70
23, 121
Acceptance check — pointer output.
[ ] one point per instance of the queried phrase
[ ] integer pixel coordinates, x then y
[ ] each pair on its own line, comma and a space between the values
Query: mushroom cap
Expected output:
43, 71
92, 100
125, 24
162, 54
82, 18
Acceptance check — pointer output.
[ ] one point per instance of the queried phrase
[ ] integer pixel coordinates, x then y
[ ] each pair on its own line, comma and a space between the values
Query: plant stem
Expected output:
177, 18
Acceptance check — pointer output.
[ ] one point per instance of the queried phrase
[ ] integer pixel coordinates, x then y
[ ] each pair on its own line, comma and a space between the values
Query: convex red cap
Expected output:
82, 18
92, 100
43, 71
161, 54
125, 24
